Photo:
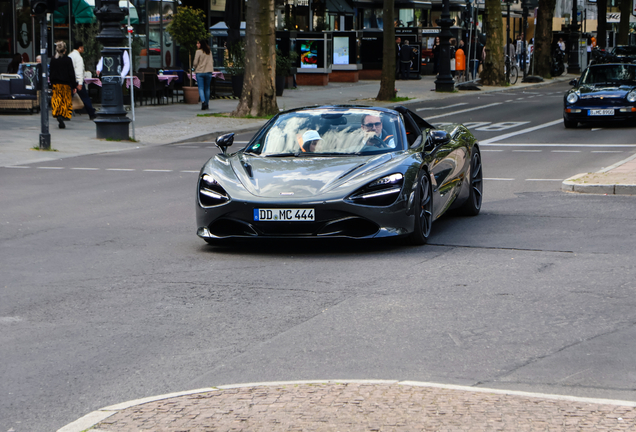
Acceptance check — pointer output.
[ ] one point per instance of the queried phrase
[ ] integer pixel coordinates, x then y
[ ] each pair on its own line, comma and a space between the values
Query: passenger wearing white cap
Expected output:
310, 140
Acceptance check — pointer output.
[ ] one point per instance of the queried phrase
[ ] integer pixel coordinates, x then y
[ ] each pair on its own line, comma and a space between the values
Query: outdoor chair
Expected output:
152, 87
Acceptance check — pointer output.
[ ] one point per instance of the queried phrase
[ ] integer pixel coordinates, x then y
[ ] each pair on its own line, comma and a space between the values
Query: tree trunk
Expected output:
387, 80
259, 88
602, 23
493, 73
543, 39
623, 26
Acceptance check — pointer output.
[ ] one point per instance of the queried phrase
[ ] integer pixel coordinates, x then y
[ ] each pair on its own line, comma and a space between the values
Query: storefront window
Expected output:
167, 45
406, 18
372, 19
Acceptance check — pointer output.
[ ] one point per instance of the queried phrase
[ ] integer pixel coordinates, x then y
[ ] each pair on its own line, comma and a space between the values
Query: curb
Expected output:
571, 185
90, 420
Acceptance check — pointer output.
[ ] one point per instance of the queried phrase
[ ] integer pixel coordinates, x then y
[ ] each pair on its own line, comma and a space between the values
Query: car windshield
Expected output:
610, 74
329, 132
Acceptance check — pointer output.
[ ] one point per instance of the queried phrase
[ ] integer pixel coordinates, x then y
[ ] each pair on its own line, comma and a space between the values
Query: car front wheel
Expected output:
423, 211
570, 124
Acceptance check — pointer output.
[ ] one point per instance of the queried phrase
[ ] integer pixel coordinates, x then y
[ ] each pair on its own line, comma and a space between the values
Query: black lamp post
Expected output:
445, 81
573, 60
111, 121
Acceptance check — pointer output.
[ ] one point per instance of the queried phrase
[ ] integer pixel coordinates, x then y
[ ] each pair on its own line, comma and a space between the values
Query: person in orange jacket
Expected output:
460, 60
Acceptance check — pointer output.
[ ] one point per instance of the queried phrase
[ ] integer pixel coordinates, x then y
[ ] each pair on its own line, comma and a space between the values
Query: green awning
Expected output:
82, 13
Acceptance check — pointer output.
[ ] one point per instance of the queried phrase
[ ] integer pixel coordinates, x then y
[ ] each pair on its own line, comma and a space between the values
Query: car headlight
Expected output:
631, 96
572, 98
381, 192
211, 193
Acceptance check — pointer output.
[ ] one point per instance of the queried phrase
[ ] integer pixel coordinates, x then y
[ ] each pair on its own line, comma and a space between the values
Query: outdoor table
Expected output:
168, 78
98, 82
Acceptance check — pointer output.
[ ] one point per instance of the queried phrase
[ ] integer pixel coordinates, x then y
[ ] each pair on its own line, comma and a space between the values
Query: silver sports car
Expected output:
339, 171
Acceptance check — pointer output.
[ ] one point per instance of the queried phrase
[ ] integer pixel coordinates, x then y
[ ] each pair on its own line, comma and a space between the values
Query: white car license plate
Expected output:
602, 112
284, 215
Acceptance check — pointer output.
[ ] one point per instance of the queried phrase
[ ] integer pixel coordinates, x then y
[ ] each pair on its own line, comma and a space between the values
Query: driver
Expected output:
311, 139
374, 135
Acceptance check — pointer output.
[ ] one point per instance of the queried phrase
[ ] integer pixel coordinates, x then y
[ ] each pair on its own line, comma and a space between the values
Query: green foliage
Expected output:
186, 28
285, 63
87, 33
235, 61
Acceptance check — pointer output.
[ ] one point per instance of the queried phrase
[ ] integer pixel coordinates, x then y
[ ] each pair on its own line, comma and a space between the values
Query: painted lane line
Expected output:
566, 151
491, 150
509, 100
157, 170
596, 129
120, 169
17, 167
607, 151
528, 151
522, 131
465, 110
499, 179
441, 108
187, 171
555, 180
50, 167
86, 169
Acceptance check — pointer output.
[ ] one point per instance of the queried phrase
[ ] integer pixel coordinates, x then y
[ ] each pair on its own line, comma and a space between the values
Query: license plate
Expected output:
284, 215
602, 112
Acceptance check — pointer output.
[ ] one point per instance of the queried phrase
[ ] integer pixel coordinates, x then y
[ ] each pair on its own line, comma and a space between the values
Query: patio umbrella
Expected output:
82, 13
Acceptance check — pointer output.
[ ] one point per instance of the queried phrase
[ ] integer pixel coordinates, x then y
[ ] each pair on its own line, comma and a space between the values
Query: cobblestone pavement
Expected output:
368, 407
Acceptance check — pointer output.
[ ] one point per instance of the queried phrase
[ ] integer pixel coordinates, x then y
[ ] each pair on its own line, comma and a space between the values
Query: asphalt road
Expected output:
108, 295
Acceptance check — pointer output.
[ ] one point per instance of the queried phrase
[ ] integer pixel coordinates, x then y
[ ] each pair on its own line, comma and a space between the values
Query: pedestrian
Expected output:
124, 65
203, 67
518, 49
78, 65
436, 55
406, 57
561, 44
509, 50
460, 61
13, 67
62, 77
453, 53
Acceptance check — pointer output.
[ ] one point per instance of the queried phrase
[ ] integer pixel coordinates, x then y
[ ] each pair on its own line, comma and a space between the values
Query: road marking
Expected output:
17, 167
607, 151
596, 129
555, 180
465, 110
522, 131
120, 169
86, 169
497, 127
509, 100
528, 151
499, 179
566, 151
157, 170
491, 150
186, 171
441, 108
50, 167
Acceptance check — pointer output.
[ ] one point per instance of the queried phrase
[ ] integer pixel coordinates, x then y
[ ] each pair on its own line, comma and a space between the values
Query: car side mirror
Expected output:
574, 82
439, 137
224, 141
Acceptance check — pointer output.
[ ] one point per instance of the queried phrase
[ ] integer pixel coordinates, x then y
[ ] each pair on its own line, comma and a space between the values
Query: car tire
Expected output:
472, 206
570, 124
423, 210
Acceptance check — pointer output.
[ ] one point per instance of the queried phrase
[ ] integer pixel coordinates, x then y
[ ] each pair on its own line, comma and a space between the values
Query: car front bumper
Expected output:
582, 114
333, 219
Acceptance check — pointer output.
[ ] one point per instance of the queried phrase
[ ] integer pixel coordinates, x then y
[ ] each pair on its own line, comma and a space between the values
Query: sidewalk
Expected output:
359, 406
166, 124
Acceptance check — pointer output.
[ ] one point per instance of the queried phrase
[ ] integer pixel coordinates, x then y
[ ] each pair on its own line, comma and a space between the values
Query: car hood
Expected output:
301, 177
606, 91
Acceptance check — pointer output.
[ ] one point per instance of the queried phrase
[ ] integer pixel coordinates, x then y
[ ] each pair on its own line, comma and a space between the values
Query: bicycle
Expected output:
514, 71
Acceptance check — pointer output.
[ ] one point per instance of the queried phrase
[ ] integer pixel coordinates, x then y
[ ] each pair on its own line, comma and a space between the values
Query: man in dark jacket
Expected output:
406, 57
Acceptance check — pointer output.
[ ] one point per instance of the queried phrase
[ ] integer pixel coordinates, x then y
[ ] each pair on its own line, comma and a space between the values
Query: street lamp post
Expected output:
573, 60
445, 81
111, 121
